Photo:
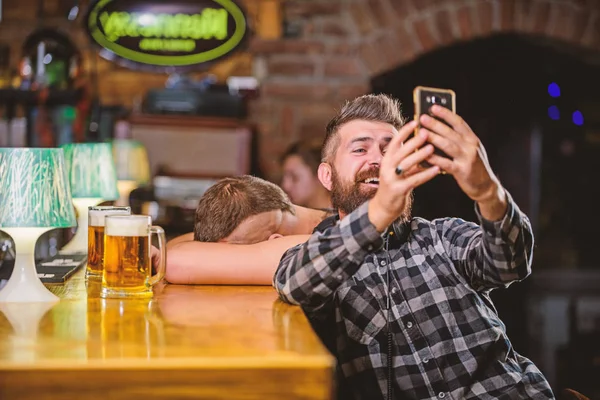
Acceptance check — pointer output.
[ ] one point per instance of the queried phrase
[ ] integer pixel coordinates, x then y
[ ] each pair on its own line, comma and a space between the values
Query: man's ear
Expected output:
324, 175
275, 236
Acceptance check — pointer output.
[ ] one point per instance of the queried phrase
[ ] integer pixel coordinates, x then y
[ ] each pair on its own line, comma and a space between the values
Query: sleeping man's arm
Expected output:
193, 262
180, 239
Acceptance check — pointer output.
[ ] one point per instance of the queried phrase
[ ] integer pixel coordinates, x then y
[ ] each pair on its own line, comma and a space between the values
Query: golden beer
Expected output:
96, 217
127, 258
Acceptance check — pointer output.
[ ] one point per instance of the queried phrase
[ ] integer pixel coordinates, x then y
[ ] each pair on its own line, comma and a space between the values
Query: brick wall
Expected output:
342, 44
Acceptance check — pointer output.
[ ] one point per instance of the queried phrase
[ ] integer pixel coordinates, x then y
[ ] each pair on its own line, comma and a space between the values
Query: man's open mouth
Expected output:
371, 181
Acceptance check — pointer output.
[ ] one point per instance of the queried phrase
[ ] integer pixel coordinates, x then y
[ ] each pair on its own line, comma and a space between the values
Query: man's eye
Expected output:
359, 151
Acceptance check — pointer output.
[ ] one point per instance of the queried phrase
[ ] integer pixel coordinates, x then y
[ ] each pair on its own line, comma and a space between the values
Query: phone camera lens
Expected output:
434, 99
428, 99
444, 101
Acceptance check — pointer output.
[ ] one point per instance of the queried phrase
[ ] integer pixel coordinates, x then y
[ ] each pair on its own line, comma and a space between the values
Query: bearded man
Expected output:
402, 302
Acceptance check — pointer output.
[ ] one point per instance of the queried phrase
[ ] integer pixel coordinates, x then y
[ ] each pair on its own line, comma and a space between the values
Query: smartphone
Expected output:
425, 97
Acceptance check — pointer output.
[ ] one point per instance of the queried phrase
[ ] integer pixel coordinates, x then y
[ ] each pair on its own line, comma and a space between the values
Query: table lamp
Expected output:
133, 168
91, 173
35, 197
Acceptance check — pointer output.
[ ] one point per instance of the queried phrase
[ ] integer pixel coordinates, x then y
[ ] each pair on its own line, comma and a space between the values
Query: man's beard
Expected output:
347, 197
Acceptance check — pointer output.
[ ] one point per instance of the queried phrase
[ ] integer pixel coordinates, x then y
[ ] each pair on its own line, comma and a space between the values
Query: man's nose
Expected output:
375, 156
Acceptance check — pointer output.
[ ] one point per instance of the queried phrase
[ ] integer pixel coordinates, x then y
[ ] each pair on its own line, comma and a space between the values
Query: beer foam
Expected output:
128, 225
97, 216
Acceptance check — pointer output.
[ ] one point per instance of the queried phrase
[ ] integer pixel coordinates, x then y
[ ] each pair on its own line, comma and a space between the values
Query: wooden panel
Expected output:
247, 384
201, 342
187, 121
191, 146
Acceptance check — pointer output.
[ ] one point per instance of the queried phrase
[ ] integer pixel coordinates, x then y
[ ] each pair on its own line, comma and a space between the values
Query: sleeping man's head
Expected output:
243, 209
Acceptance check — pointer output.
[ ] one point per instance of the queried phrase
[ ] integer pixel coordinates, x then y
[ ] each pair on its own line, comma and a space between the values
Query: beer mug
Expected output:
127, 259
96, 236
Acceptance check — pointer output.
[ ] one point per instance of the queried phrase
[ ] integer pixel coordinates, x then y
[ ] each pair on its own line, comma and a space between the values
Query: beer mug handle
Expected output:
160, 272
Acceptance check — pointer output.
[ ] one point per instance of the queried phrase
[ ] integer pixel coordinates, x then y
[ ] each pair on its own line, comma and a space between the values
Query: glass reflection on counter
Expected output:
124, 328
25, 320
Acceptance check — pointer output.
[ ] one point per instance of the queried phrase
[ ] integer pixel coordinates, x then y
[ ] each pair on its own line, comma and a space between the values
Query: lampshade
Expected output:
34, 197
133, 167
131, 160
91, 172
34, 190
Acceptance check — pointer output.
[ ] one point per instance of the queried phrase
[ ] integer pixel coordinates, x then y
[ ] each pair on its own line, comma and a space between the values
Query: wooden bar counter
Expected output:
188, 342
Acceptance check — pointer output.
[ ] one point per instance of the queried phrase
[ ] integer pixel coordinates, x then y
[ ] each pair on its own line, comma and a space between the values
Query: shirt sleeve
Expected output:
310, 273
492, 254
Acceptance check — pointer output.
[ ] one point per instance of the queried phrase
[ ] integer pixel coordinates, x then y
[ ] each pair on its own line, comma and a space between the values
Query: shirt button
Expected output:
339, 277
425, 360
394, 290
370, 248
441, 395
409, 324
383, 263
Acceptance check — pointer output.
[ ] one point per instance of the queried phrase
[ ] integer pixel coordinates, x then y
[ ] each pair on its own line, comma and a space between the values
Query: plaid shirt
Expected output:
434, 322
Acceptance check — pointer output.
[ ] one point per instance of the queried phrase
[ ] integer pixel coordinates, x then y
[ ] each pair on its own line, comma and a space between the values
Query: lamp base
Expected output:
125, 188
24, 286
79, 243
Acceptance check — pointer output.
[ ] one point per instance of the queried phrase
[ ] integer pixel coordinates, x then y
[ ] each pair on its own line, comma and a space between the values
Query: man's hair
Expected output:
231, 200
309, 152
370, 107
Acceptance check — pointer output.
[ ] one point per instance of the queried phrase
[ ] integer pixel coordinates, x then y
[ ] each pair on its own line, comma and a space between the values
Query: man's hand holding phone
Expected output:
400, 172
467, 162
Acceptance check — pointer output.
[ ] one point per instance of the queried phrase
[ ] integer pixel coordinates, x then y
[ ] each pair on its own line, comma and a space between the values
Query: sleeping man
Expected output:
243, 225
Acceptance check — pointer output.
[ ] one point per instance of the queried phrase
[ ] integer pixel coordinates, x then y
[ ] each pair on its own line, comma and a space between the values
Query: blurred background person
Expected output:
300, 182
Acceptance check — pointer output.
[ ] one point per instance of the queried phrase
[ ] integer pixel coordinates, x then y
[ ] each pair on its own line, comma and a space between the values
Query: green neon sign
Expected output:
159, 34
